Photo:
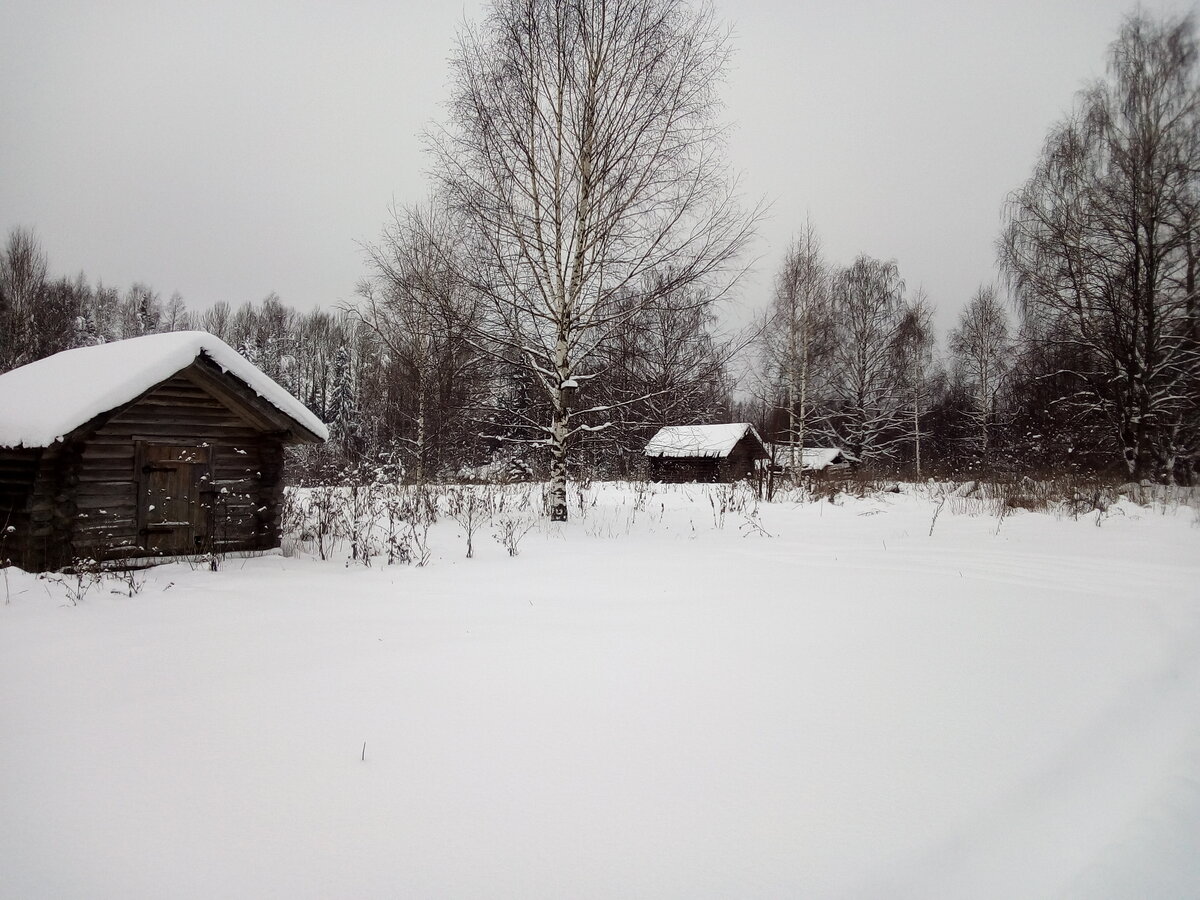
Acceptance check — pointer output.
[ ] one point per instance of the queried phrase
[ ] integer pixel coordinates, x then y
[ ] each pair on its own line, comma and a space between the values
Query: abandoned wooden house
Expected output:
704, 452
154, 446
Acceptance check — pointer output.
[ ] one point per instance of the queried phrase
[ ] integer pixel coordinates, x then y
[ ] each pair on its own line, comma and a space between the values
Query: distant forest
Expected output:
458, 352
992, 402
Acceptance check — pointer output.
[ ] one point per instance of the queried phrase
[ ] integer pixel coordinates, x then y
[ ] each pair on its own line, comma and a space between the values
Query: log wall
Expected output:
79, 499
676, 469
707, 469
18, 474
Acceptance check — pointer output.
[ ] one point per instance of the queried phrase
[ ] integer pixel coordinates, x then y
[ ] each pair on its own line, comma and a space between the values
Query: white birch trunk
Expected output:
559, 433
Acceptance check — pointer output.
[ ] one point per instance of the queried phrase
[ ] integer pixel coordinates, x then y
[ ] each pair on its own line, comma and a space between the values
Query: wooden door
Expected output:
170, 514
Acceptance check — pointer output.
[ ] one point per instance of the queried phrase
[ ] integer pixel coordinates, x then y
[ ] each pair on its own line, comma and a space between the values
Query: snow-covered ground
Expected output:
822, 701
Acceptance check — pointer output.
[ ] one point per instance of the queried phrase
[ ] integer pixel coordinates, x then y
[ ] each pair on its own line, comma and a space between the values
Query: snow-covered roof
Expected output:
818, 458
47, 399
699, 440
813, 458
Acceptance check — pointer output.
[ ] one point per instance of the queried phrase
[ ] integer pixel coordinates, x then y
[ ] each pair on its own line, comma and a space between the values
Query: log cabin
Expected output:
155, 446
711, 453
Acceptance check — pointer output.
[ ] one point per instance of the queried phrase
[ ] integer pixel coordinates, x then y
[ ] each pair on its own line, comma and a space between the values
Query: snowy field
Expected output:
820, 700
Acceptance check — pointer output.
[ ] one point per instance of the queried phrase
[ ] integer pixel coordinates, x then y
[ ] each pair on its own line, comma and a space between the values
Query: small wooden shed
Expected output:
828, 460
704, 452
160, 445
812, 460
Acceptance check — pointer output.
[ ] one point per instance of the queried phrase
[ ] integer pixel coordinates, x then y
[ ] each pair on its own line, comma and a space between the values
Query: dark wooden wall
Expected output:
708, 469
684, 468
18, 473
740, 462
83, 502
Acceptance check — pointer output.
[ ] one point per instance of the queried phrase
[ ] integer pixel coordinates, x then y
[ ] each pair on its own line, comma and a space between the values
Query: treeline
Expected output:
847, 357
1099, 370
40, 315
400, 375
313, 354
490, 332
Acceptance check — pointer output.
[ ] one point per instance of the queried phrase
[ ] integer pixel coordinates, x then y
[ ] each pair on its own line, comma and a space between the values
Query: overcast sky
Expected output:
226, 150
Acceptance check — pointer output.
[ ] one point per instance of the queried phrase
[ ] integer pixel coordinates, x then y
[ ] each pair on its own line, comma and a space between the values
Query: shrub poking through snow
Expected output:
470, 507
78, 579
510, 529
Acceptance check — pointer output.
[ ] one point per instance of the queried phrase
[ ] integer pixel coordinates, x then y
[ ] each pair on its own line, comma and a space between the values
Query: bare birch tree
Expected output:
584, 151
797, 336
864, 402
914, 357
982, 347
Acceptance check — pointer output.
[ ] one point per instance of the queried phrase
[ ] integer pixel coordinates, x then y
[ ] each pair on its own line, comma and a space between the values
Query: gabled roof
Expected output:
42, 402
699, 440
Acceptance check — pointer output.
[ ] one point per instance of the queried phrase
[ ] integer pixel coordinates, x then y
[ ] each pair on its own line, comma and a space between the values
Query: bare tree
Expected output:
175, 315
983, 357
796, 336
666, 365
23, 273
420, 308
1101, 245
218, 319
583, 150
864, 399
914, 358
